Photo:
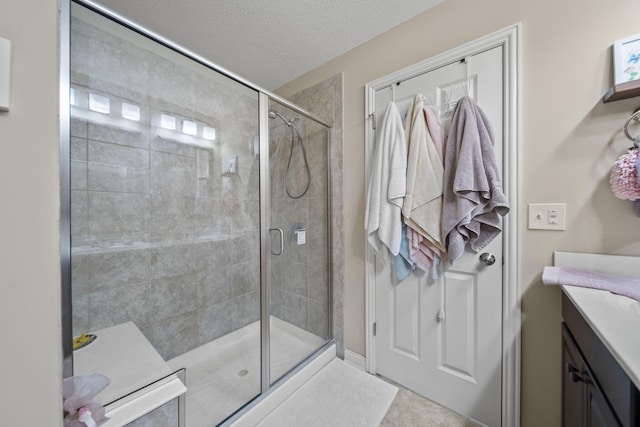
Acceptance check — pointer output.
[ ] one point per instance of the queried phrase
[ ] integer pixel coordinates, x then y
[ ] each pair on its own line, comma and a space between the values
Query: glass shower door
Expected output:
298, 216
165, 219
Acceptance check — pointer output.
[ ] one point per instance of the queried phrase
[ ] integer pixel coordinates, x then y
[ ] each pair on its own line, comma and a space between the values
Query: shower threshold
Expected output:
225, 374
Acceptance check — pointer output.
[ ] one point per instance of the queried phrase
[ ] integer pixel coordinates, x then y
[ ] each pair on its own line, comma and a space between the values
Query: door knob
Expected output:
487, 258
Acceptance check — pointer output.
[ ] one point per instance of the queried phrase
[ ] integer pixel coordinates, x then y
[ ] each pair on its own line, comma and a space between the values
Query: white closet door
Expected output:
456, 360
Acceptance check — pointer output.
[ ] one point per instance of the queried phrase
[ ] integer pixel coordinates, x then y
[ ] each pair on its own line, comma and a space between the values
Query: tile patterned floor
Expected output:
409, 409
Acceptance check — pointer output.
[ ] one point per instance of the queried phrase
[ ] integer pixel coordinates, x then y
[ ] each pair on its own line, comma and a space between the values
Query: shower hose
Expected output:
294, 133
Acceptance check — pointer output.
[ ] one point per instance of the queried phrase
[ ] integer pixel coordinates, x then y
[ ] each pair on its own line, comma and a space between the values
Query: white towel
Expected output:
387, 185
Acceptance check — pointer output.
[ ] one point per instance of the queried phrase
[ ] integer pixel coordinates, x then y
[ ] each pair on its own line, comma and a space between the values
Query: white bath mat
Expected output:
338, 395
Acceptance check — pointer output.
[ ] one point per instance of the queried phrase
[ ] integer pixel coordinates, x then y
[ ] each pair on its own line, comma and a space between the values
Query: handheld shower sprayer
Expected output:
294, 132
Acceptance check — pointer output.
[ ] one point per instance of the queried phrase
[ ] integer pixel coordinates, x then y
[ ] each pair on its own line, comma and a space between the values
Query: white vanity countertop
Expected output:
614, 318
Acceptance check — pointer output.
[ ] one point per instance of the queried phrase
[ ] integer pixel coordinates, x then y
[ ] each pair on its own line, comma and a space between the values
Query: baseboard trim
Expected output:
355, 359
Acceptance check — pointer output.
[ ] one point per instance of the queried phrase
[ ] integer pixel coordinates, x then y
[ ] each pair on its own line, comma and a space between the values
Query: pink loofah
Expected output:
624, 176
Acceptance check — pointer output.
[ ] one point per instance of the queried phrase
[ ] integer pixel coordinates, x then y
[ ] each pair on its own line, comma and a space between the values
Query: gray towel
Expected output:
473, 196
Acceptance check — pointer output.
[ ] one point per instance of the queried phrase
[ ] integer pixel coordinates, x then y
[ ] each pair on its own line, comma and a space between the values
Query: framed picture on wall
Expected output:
626, 60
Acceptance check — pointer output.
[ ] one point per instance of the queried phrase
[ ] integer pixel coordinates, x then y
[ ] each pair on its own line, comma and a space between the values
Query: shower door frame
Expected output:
263, 131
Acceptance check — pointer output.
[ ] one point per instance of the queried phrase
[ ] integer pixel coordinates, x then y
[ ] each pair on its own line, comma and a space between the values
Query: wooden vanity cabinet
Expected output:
596, 392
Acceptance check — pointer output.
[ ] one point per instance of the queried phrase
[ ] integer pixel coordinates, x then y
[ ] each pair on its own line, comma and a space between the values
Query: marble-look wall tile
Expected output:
172, 296
319, 282
80, 314
172, 215
244, 214
209, 217
245, 247
244, 278
325, 101
80, 275
277, 272
319, 318
174, 336
79, 55
277, 304
214, 321
114, 215
296, 277
161, 238
173, 174
214, 286
79, 148
173, 83
78, 175
245, 309
118, 155
108, 62
296, 310
114, 135
212, 255
121, 179
79, 128
164, 416
118, 305
118, 268
173, 260
79, 217
169, 146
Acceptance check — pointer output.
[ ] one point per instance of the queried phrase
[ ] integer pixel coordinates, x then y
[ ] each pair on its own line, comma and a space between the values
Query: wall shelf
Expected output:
622, 91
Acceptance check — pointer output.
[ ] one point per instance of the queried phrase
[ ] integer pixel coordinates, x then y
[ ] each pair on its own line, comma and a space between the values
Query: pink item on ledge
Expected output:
626, 286
624, 176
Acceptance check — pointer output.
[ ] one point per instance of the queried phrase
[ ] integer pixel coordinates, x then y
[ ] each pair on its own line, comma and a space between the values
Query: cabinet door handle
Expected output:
577, 376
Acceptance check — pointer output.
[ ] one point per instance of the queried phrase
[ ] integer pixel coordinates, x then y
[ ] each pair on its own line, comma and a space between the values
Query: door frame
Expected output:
510, 39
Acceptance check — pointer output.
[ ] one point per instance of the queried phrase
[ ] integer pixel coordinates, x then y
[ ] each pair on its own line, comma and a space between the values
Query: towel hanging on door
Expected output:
422, 208
387, 185
473, 196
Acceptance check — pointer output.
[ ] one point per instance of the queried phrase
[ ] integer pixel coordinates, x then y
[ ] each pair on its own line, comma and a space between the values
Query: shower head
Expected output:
273, 114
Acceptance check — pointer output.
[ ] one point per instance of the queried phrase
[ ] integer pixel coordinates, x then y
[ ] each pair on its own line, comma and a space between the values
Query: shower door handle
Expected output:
279, 230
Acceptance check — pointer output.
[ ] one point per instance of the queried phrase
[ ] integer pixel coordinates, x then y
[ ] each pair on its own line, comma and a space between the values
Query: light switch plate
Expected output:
5, 73
547, 216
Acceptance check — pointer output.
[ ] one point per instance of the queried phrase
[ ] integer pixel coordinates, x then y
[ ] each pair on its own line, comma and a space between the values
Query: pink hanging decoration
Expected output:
624, 176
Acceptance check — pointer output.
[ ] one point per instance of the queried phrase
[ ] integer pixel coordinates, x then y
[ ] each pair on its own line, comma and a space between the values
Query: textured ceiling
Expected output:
269, 42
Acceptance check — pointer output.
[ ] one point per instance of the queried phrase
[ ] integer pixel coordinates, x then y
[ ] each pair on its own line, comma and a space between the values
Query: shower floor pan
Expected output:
225, 374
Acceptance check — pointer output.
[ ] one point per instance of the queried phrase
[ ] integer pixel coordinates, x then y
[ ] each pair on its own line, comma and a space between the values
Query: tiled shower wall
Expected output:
325, 101
161, 235
299, 285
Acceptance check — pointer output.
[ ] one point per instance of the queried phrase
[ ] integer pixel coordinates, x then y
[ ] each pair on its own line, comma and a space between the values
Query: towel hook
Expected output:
635, 116
466, 76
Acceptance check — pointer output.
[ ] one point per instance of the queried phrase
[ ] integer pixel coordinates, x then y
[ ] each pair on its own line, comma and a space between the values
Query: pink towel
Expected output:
627, 286
421, 251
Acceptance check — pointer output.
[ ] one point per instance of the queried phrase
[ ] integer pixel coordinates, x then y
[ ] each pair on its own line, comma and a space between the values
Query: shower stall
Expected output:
199, 218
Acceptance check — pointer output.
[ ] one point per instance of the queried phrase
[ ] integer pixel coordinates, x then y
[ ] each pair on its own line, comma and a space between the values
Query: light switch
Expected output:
5, 73
547, 216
